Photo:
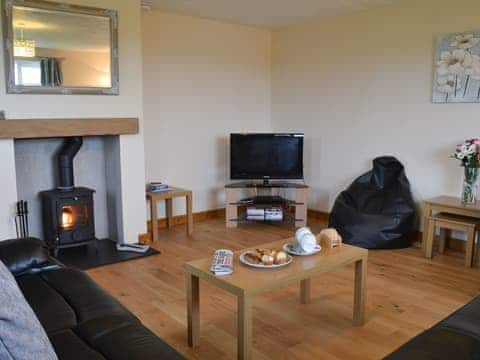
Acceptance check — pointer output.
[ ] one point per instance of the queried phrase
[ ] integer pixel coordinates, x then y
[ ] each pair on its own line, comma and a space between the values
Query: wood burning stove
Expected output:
68, 217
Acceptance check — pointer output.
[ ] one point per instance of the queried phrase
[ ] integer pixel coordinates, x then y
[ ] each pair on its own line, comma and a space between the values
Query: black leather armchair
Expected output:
81, 320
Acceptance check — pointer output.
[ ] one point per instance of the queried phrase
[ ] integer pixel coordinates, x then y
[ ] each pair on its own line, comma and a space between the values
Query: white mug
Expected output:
306, 241
302, 231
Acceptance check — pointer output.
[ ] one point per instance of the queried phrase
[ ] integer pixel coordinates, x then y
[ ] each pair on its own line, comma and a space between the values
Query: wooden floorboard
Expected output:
405, 295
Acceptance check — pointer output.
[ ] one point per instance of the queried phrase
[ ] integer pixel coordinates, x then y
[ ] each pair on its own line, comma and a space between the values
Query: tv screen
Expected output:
266, 156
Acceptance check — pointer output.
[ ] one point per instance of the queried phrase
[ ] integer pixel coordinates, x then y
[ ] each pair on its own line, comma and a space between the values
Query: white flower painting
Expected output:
457, 68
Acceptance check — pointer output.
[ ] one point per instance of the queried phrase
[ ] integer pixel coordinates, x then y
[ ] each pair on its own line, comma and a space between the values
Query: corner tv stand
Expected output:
235, 200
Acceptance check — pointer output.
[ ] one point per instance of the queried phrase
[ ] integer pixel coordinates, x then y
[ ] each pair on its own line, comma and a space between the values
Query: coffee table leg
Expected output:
359, 296
305, 291
244, 349
193, 310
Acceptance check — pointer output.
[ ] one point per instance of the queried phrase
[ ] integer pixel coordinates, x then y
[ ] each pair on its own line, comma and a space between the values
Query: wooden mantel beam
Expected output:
50, 128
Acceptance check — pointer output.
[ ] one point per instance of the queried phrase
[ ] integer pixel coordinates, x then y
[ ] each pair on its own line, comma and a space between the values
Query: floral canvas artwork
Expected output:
457, 68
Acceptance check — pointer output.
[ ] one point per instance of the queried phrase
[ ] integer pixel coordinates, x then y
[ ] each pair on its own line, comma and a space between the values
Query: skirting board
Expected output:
319, 215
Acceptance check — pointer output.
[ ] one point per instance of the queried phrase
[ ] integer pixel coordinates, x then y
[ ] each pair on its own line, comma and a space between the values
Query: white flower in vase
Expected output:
448, 84
472, 149
464, 150
465, 42
454, 63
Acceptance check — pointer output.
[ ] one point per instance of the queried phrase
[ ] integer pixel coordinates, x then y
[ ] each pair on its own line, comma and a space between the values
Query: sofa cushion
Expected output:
466, 320
20, 255
93, 329
21, 335
439, 344
50, 307
69, 346
128, 340
86, 298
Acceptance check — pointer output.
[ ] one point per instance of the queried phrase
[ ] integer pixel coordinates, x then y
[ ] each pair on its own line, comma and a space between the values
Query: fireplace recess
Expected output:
67, 211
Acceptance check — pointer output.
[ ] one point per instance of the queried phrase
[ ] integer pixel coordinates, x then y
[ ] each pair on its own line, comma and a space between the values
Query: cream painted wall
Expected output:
202, 80
128, 104
9, 188
359, 86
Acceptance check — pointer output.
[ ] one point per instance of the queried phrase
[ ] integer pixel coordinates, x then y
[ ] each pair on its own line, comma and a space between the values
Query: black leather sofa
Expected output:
455, 338
81, 320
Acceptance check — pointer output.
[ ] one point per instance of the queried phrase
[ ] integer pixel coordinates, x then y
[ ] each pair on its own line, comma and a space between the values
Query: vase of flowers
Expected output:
469, 154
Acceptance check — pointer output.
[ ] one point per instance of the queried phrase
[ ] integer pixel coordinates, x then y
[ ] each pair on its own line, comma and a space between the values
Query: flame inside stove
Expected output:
67, 217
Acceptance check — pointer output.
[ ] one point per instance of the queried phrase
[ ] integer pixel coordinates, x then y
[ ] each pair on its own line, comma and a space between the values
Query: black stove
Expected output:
68, 217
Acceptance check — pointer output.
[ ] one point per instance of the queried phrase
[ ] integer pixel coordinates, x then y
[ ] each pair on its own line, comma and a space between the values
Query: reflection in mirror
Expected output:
55, 48
62, 47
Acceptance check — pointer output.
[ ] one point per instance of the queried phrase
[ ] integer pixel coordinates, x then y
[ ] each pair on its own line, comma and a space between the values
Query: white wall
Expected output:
202, 80
128, 104
9, 189
359, 86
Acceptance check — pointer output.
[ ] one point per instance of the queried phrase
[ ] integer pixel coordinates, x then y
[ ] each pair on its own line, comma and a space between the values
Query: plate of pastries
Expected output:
266, 258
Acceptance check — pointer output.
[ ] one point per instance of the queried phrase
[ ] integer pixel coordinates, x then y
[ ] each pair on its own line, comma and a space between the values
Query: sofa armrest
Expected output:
20, 255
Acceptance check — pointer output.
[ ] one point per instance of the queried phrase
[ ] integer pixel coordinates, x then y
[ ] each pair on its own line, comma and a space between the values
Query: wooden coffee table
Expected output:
246, 282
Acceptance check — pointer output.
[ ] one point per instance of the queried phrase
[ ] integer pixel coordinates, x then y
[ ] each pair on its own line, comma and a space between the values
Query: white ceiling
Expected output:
269, 13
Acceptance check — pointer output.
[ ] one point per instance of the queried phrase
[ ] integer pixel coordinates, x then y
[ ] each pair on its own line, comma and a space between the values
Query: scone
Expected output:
252, 258
281, 257
268, 260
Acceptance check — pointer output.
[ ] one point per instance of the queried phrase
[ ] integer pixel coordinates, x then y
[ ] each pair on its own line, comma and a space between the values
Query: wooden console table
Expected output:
168, 196
234, 191
448, 205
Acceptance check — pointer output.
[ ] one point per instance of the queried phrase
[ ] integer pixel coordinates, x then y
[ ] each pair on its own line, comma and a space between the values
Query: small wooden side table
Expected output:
168, 196
447, 223
448, 205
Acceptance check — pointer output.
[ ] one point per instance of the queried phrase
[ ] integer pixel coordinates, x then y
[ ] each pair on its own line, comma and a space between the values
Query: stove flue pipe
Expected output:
70, 148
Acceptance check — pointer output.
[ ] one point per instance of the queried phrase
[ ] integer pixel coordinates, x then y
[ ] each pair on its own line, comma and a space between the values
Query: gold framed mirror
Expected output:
54, 48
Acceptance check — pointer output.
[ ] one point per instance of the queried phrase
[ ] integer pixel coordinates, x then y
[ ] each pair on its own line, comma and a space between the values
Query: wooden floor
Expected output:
405, 294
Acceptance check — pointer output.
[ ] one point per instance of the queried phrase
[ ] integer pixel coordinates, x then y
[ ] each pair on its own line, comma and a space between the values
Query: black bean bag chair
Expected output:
377, 211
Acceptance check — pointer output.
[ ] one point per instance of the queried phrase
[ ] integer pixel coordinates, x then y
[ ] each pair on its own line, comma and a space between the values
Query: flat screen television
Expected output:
266, 156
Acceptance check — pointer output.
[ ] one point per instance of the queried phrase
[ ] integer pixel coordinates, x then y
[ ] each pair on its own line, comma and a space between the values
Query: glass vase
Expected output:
470, 185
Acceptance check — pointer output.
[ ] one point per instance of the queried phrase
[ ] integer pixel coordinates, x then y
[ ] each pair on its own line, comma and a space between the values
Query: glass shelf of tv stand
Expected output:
282, 202
287, 219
